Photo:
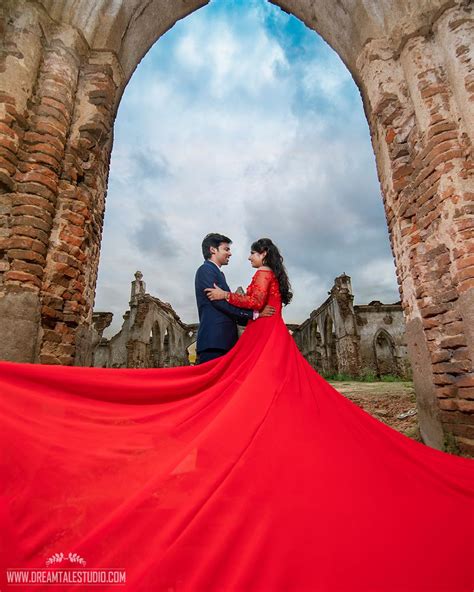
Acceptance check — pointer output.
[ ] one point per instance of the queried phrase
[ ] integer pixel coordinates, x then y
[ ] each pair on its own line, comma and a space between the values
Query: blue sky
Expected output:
243, 121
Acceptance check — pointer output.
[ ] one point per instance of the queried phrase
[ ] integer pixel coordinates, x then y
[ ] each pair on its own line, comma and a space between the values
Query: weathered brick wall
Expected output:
72, 261
24, 228
420, 101
62, 71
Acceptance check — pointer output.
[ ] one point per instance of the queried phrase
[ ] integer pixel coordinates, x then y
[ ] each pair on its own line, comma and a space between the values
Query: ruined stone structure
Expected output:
340, 338
63, 68
152, 334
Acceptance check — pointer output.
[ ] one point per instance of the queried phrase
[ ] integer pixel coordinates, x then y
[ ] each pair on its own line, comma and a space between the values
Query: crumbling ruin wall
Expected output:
383, 339
340, 338
152, 334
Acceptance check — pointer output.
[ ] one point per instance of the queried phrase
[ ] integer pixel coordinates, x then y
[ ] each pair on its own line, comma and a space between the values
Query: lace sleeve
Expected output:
257, 292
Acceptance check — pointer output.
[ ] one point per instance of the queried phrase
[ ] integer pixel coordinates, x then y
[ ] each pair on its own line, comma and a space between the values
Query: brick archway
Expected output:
384, 353
62, 73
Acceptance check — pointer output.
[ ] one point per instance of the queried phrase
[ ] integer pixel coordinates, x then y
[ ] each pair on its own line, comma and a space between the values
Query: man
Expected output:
218, 319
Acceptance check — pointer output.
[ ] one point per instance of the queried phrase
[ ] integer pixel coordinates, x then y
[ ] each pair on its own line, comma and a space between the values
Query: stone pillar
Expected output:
72, 262
348, 339
35, 120
19, 300
419, 101
348, 355
137, 354
138, 288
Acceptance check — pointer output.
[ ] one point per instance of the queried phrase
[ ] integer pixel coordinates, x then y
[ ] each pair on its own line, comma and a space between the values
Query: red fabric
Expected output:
249, 473
263, 286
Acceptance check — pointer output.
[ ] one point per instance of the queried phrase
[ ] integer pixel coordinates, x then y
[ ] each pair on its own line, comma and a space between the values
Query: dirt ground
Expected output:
386, 401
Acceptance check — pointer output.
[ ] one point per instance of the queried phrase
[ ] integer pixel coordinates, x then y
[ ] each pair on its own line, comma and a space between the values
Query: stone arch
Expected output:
152, 334
155, 345
62, 73
385, 353
315, 333
330, 364
314, 348
329, 330
166, 346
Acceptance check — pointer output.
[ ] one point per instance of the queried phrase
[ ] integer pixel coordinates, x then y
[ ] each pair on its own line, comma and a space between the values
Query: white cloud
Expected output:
224, 50
376, 280
220, 130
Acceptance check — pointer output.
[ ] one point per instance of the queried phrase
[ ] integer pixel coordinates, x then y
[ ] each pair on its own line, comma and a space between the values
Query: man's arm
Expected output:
206, 279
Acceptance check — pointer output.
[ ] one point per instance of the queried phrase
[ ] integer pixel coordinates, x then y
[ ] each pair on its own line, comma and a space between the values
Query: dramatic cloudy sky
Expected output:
241, 120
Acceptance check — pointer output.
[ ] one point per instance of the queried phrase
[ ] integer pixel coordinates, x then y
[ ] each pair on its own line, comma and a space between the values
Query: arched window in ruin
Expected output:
331, 364
155, 345
166, 348
385, 358
315, 334
312, 346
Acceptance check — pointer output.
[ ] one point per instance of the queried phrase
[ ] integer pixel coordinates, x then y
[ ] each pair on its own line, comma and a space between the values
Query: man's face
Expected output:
222, 254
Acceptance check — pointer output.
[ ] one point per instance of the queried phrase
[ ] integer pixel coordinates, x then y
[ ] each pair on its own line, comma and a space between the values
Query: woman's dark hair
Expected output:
213, 240
274, 261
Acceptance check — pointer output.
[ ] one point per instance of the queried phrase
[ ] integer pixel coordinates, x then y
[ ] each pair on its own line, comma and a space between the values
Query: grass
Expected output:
364, 377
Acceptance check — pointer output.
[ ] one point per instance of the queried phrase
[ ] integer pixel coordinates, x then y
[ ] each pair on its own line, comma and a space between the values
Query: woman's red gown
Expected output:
249, 473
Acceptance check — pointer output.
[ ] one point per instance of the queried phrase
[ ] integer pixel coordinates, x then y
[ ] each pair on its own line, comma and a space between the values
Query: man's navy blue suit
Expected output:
218, 319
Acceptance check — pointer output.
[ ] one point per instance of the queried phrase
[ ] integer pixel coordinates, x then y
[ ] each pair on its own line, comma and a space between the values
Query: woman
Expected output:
249, 473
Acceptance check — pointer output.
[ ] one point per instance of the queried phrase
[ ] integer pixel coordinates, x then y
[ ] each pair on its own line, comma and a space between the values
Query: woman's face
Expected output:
256, 259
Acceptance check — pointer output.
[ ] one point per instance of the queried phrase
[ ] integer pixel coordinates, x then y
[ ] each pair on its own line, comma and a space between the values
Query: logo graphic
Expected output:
60, 557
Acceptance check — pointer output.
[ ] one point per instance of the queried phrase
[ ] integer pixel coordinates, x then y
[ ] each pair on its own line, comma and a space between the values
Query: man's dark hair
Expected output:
213, 240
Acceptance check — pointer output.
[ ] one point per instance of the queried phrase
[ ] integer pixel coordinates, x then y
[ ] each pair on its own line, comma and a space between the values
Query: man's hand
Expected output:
268, 311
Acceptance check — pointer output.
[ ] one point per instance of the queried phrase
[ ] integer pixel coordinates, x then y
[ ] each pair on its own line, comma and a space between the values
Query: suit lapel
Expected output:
224, 282
221, 281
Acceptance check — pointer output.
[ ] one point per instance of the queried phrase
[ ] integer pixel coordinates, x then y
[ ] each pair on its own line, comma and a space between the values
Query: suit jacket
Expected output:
217, 319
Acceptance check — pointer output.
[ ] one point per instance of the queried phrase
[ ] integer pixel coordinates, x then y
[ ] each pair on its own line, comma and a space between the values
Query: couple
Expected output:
220, 311
247, 473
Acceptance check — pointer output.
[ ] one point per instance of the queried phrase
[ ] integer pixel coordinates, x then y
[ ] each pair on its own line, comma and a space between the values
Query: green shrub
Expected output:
366, 376
391, 378
340, 377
